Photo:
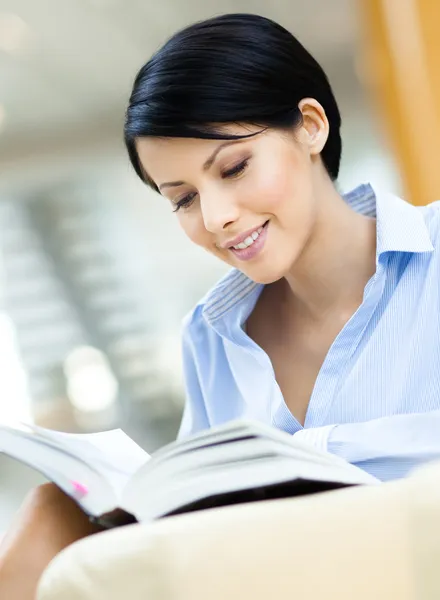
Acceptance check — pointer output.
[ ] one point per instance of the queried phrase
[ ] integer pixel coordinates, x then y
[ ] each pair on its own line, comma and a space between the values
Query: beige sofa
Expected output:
375, 543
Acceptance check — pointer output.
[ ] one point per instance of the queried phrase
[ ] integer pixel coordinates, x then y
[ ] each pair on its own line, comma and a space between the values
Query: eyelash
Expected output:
185, 202
229, 174
237, 170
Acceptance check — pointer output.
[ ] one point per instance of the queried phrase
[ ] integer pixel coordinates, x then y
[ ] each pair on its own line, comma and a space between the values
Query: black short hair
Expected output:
235, 68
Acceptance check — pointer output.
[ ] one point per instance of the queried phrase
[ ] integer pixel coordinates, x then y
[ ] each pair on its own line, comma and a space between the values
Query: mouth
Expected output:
252, 245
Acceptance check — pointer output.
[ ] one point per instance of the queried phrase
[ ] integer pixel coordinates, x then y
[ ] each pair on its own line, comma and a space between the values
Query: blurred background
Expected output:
95, 273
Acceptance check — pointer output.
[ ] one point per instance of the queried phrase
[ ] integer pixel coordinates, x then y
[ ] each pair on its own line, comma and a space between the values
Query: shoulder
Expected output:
203, 355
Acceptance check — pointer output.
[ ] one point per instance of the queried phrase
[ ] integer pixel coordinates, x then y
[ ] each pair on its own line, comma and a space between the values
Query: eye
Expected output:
185, 202
237, 170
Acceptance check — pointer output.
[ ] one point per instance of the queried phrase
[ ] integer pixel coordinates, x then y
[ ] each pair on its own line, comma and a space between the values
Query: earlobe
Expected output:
317, 141
315, 123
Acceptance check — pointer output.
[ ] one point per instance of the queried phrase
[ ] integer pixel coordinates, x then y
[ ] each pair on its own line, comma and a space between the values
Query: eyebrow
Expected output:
206, 165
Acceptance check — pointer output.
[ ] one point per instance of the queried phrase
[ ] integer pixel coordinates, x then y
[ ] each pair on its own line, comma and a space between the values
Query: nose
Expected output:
220, 212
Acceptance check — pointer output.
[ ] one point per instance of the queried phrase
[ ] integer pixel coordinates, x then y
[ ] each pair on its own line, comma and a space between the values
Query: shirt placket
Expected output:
324, 391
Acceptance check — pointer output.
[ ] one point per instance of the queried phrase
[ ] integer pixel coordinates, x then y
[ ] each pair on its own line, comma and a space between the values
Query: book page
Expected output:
112, 452
117, 447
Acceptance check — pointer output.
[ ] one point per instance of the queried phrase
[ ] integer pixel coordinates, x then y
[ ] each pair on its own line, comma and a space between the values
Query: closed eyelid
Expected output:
231, 163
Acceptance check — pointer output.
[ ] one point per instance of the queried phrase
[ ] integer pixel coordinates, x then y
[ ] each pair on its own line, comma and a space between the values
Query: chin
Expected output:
266, 275
273, 264
272, 267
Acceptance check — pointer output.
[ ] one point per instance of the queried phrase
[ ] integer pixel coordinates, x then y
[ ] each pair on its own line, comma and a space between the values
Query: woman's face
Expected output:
250, 202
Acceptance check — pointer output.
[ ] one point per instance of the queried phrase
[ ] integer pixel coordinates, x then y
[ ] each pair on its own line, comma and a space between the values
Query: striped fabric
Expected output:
376, 401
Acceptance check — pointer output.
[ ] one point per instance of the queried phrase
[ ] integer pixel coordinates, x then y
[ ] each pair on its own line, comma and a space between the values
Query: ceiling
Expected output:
66, 66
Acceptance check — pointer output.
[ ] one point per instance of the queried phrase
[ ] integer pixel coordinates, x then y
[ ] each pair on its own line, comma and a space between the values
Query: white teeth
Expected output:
249, 240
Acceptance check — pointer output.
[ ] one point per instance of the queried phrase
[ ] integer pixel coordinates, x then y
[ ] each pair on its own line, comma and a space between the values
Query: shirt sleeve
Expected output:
194, 414
387, 448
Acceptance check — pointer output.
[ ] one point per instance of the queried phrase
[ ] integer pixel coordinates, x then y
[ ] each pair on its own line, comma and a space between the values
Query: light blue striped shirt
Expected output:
376, 401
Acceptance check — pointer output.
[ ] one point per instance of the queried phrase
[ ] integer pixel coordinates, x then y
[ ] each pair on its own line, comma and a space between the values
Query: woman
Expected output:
328, 325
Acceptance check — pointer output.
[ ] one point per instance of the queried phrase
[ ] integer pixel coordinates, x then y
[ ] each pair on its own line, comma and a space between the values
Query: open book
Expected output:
108, 474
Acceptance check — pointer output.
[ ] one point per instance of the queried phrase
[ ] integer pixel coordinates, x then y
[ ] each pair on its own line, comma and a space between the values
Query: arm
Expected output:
194, 415
387, 447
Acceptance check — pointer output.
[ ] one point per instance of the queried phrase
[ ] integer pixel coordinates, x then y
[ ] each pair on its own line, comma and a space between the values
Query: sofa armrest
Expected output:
378, 542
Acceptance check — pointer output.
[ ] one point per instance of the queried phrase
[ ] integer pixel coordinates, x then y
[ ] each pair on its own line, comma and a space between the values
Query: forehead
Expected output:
166, 159
154, 150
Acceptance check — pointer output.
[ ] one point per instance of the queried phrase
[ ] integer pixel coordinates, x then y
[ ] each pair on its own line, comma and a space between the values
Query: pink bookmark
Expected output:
80, 489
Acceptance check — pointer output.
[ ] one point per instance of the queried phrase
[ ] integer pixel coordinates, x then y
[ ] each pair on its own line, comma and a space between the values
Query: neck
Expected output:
340, 257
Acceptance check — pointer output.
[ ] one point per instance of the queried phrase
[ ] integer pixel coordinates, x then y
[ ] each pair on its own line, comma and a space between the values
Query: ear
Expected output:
315, 124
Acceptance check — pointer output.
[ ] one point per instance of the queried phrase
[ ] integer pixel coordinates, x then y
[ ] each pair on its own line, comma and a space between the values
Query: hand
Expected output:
47, 522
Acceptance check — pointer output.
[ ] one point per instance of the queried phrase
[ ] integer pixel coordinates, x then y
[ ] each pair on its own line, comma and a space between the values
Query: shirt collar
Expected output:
401, 227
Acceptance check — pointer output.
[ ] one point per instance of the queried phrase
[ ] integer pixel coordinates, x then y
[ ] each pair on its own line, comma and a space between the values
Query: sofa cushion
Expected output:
380, 542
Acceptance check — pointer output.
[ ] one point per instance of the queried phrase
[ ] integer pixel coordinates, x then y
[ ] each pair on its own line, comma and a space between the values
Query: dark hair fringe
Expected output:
237, 68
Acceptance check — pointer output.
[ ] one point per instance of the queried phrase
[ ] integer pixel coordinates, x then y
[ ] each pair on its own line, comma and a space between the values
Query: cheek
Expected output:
282, 189
272, 188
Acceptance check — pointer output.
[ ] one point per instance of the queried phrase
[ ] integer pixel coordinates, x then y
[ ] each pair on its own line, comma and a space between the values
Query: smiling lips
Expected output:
251, 245
249, 240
